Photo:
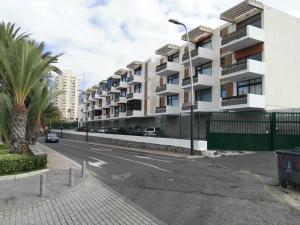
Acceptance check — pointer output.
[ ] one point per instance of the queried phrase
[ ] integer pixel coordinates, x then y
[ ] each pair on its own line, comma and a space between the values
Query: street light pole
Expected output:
191, 77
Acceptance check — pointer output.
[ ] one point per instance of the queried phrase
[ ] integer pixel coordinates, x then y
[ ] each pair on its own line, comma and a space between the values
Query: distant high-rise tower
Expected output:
67, 102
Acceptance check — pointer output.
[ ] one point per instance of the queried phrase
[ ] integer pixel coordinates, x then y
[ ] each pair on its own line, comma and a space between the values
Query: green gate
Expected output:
287, 131
256, 131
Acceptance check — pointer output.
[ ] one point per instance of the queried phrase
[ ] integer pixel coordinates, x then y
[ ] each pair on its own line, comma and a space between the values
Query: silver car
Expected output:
51, 138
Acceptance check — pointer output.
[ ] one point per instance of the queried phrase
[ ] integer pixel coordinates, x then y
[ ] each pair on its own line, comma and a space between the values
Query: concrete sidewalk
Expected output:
89, 202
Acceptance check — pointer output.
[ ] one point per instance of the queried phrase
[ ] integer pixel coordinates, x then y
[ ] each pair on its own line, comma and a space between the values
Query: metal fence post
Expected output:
42, 185
273, 129
71, 177
83, 169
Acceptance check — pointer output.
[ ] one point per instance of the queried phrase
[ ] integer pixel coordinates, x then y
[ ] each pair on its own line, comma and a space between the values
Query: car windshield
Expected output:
52, 135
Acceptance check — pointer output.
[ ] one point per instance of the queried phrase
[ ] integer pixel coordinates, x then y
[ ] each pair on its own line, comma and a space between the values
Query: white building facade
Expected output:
67, 102
248, 64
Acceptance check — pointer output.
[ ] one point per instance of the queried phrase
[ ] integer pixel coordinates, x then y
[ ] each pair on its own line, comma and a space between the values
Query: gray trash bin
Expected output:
288, 162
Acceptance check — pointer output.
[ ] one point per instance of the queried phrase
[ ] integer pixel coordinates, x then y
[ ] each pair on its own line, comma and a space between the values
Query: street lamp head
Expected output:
176, 22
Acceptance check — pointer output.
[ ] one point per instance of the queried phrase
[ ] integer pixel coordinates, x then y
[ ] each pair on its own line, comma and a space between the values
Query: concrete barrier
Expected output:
153, 143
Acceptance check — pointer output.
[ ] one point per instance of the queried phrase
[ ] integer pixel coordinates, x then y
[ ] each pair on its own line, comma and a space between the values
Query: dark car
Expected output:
51, 138
134, 130
122, 130
109, 130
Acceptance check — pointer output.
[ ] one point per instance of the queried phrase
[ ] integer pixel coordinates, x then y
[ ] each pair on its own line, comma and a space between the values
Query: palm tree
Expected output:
23, 64
5, 110
40, 98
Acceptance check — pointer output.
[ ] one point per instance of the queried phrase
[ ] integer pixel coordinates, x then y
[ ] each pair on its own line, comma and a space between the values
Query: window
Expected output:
123, 93
172, 100
204, 69
257, 57
223, 91
253, 86
137, 88
124, 78
203, 95
174, 58
138, 71
204, 44
173, 79
222, 62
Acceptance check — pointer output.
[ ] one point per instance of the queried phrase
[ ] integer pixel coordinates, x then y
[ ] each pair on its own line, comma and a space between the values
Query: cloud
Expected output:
98, 37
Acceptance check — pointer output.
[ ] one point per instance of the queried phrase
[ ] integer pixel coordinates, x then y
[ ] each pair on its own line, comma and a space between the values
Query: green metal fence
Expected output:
259, 131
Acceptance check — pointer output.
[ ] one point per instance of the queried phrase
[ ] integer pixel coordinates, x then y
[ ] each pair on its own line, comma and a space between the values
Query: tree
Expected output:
5, 110
40, 98
23, 64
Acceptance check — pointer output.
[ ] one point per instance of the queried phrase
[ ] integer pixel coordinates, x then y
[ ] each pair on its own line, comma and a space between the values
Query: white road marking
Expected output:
130, 160
99, 162
146, 157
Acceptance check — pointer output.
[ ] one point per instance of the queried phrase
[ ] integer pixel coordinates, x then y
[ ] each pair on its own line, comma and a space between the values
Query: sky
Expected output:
98, 37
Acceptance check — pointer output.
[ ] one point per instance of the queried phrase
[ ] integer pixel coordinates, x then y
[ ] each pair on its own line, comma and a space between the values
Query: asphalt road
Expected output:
180, 191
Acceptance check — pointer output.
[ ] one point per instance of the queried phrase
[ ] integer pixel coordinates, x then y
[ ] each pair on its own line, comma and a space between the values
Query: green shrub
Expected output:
15, 163
3, 146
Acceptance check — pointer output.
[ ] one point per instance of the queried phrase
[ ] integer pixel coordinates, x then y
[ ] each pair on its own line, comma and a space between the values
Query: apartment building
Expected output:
67, 102
247, 64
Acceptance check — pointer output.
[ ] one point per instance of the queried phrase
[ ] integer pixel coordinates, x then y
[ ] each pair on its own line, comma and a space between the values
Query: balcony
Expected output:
246, 70
168, 89
108, 103
120, 115
244, 102
135, 79
198, 56
243, 38
168, 68
163, 110
201, 81
199, 106
98, 117
113, 89
135, 96
103, 93
134, 113
107, 116
121, 85
120, 100
97, 96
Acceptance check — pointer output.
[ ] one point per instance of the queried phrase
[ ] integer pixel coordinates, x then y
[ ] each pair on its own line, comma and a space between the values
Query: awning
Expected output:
246, 7
134, 65
167, 50
198, 33
121, 72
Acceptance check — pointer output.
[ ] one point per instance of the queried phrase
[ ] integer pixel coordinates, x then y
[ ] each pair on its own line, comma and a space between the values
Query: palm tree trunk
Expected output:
18, 129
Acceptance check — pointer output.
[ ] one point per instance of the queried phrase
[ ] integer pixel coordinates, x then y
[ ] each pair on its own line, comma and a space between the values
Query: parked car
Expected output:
101, 130
81, 129
152, 132
51, 137
134, 130
122, 130
109, 131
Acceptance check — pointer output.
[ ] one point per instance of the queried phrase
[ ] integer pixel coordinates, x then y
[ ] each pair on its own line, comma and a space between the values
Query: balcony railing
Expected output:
161, 109
130, 78
129, 96
108, 102
187, 81
129, 113
117, 99
234, 100
234, 68
161, 67
194, 53
161, 88
107, 116
234, 36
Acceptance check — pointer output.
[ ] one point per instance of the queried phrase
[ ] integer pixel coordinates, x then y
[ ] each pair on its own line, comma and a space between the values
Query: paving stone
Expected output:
90, 203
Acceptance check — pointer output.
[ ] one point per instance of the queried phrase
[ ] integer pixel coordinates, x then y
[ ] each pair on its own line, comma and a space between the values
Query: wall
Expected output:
153, 143
282, 47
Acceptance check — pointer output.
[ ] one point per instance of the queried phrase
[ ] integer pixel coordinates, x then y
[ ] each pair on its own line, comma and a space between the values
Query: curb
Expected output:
22, 175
